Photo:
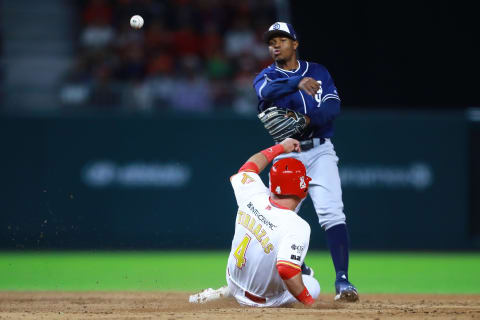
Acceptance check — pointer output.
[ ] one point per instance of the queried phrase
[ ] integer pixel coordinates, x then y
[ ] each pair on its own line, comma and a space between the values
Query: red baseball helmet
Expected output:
289, 177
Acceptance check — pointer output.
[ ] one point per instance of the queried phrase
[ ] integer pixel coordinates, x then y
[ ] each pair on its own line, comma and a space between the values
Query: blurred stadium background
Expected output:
117, 139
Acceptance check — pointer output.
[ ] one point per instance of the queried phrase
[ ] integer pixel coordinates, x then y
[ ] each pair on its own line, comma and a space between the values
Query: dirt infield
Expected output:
168, 305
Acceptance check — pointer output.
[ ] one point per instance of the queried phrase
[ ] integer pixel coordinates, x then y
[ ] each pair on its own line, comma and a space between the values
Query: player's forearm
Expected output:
278, 88
295, 284
260, 160
296, 287
329, 110
264, 157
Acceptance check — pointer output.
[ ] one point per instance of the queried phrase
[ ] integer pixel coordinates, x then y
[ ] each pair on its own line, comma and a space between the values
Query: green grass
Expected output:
190, 271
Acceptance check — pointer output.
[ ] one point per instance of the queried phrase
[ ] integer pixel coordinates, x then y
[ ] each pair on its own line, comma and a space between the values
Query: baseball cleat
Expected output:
306, 270
345, 291
209, 295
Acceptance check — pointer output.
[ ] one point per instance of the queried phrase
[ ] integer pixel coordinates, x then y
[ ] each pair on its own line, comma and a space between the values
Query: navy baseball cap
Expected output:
280, 29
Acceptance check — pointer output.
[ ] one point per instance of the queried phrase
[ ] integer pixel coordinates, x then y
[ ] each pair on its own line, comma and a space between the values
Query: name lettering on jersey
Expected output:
260, 216
256, 229
247, 179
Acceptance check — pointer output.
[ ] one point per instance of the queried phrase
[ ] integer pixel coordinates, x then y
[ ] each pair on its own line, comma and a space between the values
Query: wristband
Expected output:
305, 297
273, 151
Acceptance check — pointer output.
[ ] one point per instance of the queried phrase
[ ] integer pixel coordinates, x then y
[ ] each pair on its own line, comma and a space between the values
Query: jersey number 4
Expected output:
240, 251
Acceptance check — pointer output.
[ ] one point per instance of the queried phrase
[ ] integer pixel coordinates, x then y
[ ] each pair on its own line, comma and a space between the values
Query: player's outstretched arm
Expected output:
260, 160
274, 89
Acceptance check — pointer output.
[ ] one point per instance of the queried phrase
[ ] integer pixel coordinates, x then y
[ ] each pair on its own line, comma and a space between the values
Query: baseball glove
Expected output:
283, 123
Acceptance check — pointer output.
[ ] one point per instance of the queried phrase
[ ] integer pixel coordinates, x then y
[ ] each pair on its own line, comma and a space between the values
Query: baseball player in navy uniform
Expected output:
308, 92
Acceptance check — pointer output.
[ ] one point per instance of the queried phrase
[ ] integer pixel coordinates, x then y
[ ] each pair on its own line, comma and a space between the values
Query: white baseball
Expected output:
136, 21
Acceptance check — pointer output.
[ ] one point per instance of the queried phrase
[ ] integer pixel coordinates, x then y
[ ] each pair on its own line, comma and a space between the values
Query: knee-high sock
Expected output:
338, 242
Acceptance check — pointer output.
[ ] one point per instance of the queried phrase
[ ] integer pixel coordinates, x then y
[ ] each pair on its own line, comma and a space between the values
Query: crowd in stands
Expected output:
191, 55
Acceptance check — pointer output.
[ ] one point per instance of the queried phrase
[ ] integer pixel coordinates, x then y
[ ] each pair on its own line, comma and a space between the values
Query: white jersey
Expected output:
264, 235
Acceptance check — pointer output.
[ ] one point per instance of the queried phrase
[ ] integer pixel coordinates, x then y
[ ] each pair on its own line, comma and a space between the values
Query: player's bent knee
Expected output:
332, 223
328, 217
312, 285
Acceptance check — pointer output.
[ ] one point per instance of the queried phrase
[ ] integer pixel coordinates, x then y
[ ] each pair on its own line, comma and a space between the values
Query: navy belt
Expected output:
306, 145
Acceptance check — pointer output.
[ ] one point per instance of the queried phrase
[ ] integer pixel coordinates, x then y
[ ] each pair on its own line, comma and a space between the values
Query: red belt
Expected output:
255, 298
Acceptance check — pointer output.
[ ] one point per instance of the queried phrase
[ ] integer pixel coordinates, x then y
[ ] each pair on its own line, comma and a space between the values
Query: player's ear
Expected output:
295, 44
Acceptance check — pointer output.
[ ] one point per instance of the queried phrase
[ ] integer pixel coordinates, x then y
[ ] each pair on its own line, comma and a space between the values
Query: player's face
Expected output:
282, 48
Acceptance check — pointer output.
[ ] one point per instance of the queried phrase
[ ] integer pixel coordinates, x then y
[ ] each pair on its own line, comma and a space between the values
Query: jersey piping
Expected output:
263, 86
305, 70
303, 100
298, 68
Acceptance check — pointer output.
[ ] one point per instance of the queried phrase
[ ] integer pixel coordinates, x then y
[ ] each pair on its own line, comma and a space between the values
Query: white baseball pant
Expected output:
325, 188
284, 298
